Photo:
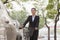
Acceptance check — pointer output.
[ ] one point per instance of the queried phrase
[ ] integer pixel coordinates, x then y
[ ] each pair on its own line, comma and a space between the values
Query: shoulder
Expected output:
30, 16
37, 16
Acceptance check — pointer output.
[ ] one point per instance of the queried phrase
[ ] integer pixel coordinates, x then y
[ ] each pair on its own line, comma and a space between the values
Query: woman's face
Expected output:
33, 11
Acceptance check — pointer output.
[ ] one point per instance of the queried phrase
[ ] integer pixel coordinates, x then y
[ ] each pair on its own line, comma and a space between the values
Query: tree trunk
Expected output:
56, 20
48, 29
48, 33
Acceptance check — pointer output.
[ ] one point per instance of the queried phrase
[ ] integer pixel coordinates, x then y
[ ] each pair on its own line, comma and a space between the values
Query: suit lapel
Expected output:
31, 18
34, 19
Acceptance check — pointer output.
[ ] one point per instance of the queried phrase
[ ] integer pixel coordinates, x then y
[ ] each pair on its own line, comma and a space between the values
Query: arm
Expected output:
26, 22
37, 23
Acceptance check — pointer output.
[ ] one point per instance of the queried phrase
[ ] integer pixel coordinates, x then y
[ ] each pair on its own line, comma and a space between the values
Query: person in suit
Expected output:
33, 24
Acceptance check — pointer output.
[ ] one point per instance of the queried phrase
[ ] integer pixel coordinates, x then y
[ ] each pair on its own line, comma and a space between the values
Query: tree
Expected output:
19, 15
57, 16
52, 12
48, 29
59, 5
5, 1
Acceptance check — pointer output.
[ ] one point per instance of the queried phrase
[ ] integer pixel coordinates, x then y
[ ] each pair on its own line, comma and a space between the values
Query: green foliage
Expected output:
51, 10
20, 16
24, 0
9, 5
3, 1
41, 24
51, 13
51, 1
49, 6
36, 0
59, 5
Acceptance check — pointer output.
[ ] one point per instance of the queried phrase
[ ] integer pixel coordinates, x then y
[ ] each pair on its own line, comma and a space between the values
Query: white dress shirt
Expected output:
33, 17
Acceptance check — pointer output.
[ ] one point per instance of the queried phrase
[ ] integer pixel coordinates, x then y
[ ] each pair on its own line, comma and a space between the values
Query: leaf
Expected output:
49, 6
59, 5
24, 0
9, 5
19, 15
41, 22
51, 1
51, 13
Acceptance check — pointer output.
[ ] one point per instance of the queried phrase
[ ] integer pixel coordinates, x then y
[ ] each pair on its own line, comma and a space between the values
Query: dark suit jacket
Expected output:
33, 24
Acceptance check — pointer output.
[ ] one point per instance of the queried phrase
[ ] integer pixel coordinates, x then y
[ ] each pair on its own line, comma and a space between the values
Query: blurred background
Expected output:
19, 10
